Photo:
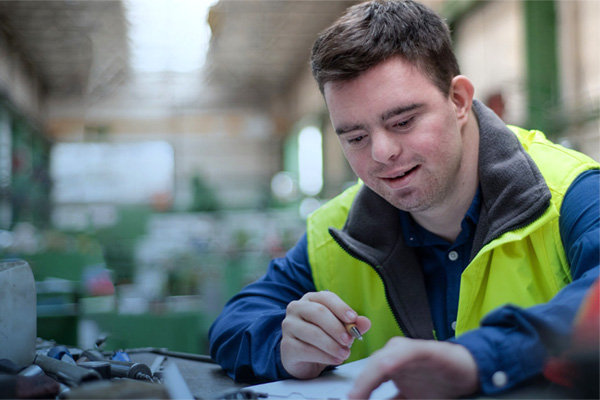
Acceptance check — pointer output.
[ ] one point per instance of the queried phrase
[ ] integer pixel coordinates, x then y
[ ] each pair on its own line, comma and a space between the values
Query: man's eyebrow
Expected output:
400, 110
348, 128
388, 114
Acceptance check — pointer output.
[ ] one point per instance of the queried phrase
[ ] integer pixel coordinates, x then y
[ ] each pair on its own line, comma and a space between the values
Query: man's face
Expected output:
400, 135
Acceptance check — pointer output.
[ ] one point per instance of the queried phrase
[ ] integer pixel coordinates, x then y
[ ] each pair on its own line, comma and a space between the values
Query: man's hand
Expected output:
420, 369
314, 335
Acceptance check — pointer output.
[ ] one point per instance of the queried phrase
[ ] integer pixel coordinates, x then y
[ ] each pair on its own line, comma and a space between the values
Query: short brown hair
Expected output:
371, 32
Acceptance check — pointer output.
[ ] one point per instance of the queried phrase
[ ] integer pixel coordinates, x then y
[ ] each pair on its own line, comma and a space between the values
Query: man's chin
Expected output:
405, 201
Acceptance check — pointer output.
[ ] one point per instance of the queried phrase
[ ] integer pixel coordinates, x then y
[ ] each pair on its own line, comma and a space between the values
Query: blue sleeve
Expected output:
512, 344
245, 338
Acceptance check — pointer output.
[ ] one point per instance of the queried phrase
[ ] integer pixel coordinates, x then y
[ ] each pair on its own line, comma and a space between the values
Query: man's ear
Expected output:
461, 94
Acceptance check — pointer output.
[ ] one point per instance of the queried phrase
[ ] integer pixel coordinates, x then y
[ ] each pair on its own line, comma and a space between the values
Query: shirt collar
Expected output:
417, 236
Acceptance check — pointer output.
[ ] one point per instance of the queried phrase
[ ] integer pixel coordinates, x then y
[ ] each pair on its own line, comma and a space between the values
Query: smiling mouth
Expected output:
403, 174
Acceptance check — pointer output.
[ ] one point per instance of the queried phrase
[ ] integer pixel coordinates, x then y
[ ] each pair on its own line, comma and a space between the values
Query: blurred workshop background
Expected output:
155, 155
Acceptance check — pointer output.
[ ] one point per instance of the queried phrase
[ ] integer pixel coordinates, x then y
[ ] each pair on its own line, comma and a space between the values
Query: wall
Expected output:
579, 47
490, 50
234, 151
490, 46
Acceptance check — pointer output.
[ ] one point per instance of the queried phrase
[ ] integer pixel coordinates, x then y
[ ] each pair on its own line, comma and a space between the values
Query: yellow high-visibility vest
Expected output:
523, 267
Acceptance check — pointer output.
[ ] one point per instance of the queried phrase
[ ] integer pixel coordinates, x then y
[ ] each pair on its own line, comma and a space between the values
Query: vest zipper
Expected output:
399, 322
387, 300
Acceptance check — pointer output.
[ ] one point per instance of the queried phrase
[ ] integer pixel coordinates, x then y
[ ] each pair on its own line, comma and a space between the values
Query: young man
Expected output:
481, 236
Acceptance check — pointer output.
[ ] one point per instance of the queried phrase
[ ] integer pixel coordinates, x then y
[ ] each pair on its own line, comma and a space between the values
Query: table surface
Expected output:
205, 380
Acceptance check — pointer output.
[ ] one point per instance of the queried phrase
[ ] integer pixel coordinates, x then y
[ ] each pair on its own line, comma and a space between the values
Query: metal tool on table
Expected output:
132, 370
177, 354
32, 370
91, 355
70, 375
101, 367
119, 368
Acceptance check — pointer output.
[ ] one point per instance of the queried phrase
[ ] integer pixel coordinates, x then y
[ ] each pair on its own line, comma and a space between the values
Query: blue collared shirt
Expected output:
443, 263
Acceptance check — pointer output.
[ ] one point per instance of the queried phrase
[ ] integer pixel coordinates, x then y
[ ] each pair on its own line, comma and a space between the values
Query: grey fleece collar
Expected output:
514, 194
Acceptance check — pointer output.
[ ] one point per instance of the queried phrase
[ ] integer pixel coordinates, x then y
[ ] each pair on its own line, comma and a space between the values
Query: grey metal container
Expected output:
18, 313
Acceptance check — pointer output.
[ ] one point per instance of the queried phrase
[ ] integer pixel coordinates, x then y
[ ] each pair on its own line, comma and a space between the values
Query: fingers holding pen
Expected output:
314, 324
336, 318
306, 349
314, 333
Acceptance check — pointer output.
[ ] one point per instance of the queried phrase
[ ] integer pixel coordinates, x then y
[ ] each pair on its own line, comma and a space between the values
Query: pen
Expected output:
353, 330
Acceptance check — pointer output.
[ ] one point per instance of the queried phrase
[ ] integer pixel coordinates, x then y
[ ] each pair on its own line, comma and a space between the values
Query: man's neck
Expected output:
445, 220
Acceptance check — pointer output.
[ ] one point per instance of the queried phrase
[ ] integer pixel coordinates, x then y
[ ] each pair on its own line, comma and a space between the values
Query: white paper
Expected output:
331, 385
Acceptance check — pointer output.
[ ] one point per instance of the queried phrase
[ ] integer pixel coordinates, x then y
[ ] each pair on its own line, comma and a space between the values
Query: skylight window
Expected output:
168, 35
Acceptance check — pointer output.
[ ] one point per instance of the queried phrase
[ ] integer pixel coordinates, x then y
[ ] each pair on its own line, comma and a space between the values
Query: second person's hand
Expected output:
314, 333
425, 369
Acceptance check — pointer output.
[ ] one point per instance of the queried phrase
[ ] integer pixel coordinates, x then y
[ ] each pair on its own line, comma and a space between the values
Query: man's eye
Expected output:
356, 140
404, 124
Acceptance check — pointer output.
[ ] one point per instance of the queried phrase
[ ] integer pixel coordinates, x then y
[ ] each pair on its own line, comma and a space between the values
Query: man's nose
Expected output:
385, 146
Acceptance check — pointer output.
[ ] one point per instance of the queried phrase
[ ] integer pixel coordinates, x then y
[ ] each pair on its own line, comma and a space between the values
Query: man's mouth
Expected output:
402, 175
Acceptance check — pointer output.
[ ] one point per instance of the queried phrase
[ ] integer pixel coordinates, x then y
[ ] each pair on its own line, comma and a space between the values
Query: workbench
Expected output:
203, 379
206, 380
